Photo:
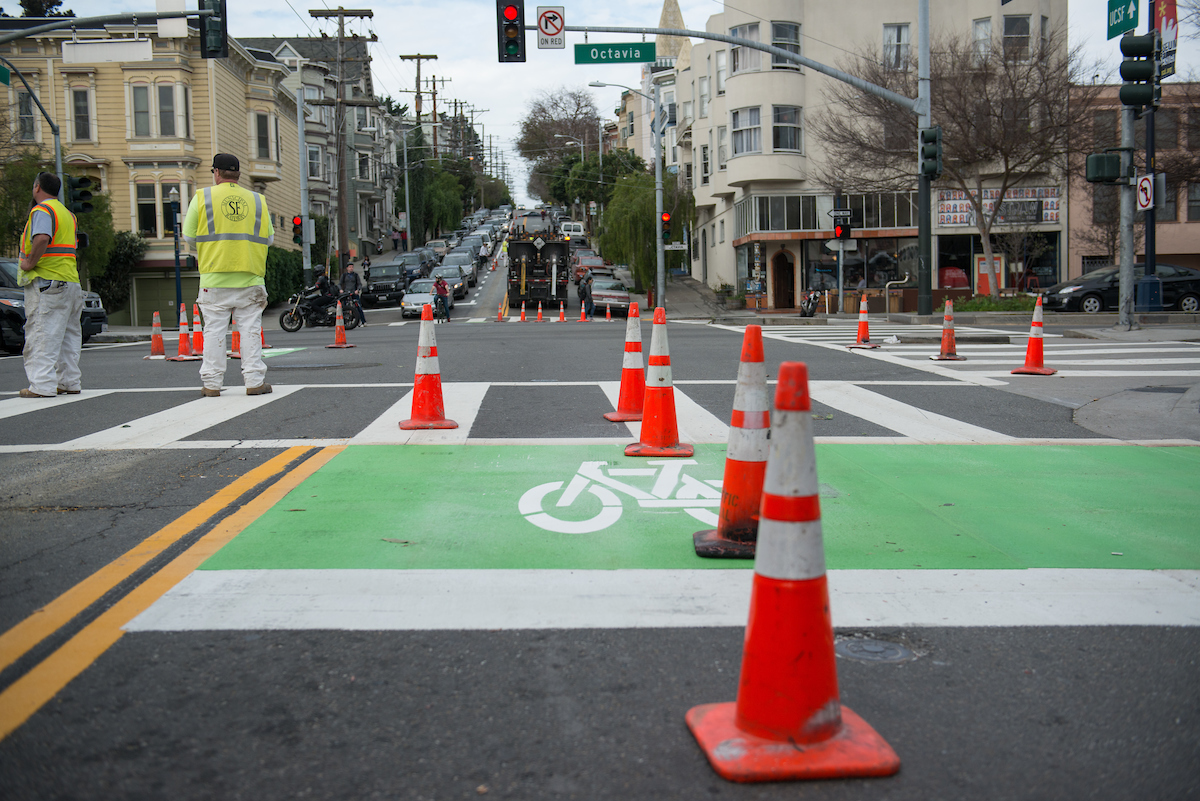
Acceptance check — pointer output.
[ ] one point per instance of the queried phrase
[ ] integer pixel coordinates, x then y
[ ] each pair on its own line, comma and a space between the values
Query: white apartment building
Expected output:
740, 140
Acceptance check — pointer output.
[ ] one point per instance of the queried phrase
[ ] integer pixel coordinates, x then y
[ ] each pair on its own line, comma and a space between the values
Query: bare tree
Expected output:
565, 112
1006, 114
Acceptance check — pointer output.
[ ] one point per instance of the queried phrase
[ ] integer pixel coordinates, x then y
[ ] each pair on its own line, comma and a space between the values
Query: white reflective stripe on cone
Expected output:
792, 471
632, 360
428, 365
789, 551
748, 444
658, 375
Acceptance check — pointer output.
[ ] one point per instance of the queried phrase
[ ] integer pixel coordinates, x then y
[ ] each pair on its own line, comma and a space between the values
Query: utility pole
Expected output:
343, 219
433, 82
418, 58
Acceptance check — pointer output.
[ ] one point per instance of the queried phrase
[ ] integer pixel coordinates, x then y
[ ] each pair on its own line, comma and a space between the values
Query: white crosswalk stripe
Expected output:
842, 333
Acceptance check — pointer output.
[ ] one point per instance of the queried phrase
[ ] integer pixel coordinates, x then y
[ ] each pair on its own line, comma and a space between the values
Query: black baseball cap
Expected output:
226, 161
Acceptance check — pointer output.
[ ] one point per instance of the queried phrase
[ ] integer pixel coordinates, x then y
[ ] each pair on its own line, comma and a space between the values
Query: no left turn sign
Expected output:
1145, 193
550, 24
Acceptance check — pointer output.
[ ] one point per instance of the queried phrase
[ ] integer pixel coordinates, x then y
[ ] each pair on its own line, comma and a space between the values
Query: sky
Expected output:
462, 33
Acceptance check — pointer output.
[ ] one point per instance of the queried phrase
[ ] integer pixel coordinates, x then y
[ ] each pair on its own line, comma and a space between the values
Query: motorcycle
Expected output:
304, 310
809, 303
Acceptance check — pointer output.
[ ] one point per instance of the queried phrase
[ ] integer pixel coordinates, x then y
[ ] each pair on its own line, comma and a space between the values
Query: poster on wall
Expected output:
982, 285
1022, 205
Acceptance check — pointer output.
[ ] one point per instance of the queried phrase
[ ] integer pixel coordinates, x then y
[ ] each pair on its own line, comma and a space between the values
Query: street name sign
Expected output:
1122, 17
618, 53
675, 246
550, 25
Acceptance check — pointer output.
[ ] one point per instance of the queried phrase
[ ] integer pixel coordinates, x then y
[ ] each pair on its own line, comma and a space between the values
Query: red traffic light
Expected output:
297, 220
666, 216
511, 13
841, 230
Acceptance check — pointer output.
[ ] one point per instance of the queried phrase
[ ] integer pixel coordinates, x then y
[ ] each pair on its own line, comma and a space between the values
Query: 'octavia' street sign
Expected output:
627, 53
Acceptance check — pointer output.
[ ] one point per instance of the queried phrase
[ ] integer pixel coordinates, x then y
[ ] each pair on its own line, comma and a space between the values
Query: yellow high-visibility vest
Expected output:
58, 262
232, 233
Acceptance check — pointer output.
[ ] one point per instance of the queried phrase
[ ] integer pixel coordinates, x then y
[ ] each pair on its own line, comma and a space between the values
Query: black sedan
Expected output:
1097, 291
92, 320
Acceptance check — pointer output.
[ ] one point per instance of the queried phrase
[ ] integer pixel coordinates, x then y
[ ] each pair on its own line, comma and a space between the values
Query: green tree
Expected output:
319, 253
44, 8
631, 231
444, 203
552, 117
418, 181
113, 284
98, 225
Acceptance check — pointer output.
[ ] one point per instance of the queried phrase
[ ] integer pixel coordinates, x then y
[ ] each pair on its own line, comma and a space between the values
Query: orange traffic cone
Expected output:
788, 722
197, 330
1033, 351
539, 317
864, 334
582, 313
263, 335
745, 459
608, 312
633, 378
522, 311
339, 332
660, 432
235, 351
185, 340
158, 350
427, 408
948, 354
562, 312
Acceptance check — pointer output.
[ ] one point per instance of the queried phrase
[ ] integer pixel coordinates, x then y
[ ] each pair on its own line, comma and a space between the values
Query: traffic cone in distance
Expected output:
539, 317
788, 721
185, 339
864, 334
197, 330
660, 432
745, 459
428, 411
582, 313
562, 312
608, 312
1033, 350
633, 377
339, 331
158, 349
948, 353
235, 350
522, 311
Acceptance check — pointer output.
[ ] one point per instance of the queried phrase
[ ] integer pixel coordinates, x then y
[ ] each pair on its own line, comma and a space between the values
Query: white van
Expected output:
572, 229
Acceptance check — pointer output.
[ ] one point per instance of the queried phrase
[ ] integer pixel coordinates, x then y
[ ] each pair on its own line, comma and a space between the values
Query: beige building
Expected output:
142, 128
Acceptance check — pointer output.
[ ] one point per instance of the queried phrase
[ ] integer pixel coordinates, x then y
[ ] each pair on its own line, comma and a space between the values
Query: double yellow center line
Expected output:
31, 691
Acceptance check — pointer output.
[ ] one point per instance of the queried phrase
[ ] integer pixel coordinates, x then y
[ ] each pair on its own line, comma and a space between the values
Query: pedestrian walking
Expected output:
589, 306
404, 240
53, 297
395, 240
352, 283
230, 227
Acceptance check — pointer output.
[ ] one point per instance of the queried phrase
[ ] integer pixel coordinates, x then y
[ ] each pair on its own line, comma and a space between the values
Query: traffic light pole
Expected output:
1125, 271
660, 290
303, 145
924, 182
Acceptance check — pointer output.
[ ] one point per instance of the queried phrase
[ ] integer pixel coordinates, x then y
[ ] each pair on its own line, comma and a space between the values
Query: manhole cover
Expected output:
1179, 390
280, 368
866, 650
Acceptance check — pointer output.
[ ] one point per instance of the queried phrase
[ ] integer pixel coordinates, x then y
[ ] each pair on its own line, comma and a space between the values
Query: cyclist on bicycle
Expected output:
442, 290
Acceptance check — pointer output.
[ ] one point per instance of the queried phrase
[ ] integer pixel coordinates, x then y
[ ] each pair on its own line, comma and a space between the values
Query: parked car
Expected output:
420, 293
1098, 290
610, 293
455, 276
92, 320
384, 283
467, 261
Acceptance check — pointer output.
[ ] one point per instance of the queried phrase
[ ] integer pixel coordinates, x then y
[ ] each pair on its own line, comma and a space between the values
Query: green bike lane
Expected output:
473, 536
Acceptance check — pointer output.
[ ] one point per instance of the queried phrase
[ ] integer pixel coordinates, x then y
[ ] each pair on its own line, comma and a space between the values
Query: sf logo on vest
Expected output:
235, 209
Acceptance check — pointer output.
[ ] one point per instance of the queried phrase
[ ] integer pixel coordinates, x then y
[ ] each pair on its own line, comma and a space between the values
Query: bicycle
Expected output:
441, 310
671, 489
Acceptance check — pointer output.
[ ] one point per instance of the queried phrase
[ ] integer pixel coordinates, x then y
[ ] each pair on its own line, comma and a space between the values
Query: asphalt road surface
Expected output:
286, 596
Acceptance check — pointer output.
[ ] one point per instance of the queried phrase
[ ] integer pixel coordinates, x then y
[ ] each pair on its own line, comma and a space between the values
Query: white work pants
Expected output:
53, 337
246, 305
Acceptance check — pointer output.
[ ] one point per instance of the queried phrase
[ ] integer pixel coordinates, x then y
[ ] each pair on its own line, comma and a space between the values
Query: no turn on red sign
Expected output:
1145, 193
550, 25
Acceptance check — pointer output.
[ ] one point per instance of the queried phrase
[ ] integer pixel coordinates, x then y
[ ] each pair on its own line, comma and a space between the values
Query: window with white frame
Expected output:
311, 93
360, 117
314, 161
147, 210
703, 96
364, 166
722, 146
721, 237
896, 42
278, 141
785, 131
1016, 37
722, 70
166, 109
262, 135
81, 112
785, 36
982, 32
141, 110
168, 213
187, 112
1045, 33
745, 58
747, 135
704, 165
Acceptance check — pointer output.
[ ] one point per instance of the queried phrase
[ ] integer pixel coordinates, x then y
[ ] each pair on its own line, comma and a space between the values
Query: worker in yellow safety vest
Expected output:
230, 228
53, 297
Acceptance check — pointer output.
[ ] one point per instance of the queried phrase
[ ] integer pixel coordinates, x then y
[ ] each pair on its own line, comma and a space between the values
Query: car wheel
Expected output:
1092, 304
1189, 303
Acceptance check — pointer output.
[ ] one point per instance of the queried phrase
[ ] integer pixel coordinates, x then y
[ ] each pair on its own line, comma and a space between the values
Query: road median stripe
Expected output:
21, 638
33, 690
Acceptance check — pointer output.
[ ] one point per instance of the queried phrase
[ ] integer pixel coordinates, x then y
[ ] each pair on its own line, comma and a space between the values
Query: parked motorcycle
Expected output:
303, 310
809, 303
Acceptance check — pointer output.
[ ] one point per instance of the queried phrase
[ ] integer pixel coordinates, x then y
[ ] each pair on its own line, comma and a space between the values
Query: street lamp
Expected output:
576, 141
660, 291
173, 197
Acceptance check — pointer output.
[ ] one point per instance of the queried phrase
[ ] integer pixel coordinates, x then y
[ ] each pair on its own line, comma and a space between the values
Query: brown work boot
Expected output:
205, 392
65, 391
262, 389
29, 393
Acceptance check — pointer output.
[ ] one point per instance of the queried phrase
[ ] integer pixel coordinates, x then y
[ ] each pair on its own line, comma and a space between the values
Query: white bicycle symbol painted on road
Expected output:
672, 489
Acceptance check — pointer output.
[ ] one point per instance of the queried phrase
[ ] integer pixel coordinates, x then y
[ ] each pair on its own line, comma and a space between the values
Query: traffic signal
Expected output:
79, 199
510, 22
298, 229
842, 229
214, 30
1140, 70
666, 226
930, 151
